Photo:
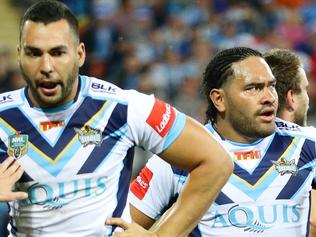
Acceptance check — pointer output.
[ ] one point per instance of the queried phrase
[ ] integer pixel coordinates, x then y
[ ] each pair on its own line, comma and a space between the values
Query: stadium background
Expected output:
162, 47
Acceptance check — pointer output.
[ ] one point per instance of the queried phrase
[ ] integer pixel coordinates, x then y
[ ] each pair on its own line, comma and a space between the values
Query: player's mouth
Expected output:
48, 88
267, 115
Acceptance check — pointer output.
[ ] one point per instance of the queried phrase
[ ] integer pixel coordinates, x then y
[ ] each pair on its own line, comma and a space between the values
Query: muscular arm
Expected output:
140, 218
209, 165
153, 191
196, 151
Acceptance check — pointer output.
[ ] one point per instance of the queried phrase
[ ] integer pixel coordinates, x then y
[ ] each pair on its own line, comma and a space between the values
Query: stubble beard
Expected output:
247, 125
250, 129
60, 97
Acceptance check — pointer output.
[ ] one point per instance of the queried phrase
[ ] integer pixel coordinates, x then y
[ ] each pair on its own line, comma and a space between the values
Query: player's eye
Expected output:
57, 53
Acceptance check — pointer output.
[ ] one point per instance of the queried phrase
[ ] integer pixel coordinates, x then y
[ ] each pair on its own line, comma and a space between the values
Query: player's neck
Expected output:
286, 115
226, 131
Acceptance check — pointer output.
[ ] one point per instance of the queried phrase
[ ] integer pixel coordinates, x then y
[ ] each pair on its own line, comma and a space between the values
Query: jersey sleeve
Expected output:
153, 189
153, 124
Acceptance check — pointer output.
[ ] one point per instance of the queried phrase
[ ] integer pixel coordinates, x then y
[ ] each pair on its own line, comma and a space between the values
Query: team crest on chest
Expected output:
88, 136
285, 167
17, 145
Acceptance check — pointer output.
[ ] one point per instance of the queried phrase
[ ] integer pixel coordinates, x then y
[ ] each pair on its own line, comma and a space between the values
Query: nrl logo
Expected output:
285, 167
17, 145
88, 136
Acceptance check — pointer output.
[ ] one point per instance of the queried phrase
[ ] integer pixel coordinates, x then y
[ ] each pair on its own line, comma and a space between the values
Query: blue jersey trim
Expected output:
175, 130
123, 186
88, 108
195, 232
305, 167
276, 149
223, 199
264, 152
114, 127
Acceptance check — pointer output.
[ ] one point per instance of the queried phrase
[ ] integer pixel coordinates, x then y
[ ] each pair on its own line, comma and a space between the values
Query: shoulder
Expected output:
11, 99
291, 129
100, 89
95, 87
286, 126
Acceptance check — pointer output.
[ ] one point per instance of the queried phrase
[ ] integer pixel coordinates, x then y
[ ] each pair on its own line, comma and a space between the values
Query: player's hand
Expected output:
10, 173
129, 229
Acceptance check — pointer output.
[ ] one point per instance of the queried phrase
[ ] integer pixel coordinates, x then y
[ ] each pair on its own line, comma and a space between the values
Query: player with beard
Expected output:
70, 140
268, 192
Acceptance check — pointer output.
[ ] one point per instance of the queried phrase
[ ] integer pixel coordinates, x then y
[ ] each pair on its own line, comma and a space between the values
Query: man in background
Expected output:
292, 85
292, 88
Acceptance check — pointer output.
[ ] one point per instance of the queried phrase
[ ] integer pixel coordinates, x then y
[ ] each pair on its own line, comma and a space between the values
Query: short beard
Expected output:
246, 125
249, 129
65, 89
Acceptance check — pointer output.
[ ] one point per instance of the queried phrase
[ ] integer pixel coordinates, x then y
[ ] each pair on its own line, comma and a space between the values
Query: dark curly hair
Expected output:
219, 71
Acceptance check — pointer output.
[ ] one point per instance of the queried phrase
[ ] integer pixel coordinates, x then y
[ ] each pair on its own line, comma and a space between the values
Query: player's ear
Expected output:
290, 100
18, 50
217, 96
81, 51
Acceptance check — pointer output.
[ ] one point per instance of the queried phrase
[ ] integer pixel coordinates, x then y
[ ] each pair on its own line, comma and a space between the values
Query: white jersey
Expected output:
267, 195
78, 158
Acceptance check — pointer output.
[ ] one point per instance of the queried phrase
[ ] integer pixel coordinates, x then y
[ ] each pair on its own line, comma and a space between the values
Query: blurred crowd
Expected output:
162, 47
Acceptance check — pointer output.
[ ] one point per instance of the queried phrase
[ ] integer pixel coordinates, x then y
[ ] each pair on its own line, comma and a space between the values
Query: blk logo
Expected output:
103, 88
5, 98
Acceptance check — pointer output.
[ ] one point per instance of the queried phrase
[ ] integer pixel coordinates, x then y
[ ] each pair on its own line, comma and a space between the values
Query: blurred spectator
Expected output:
5, 70
308, 15
10, 77
99, 40
292, 3
291, 27
16, 81
160, 12
129, 75
189, 98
